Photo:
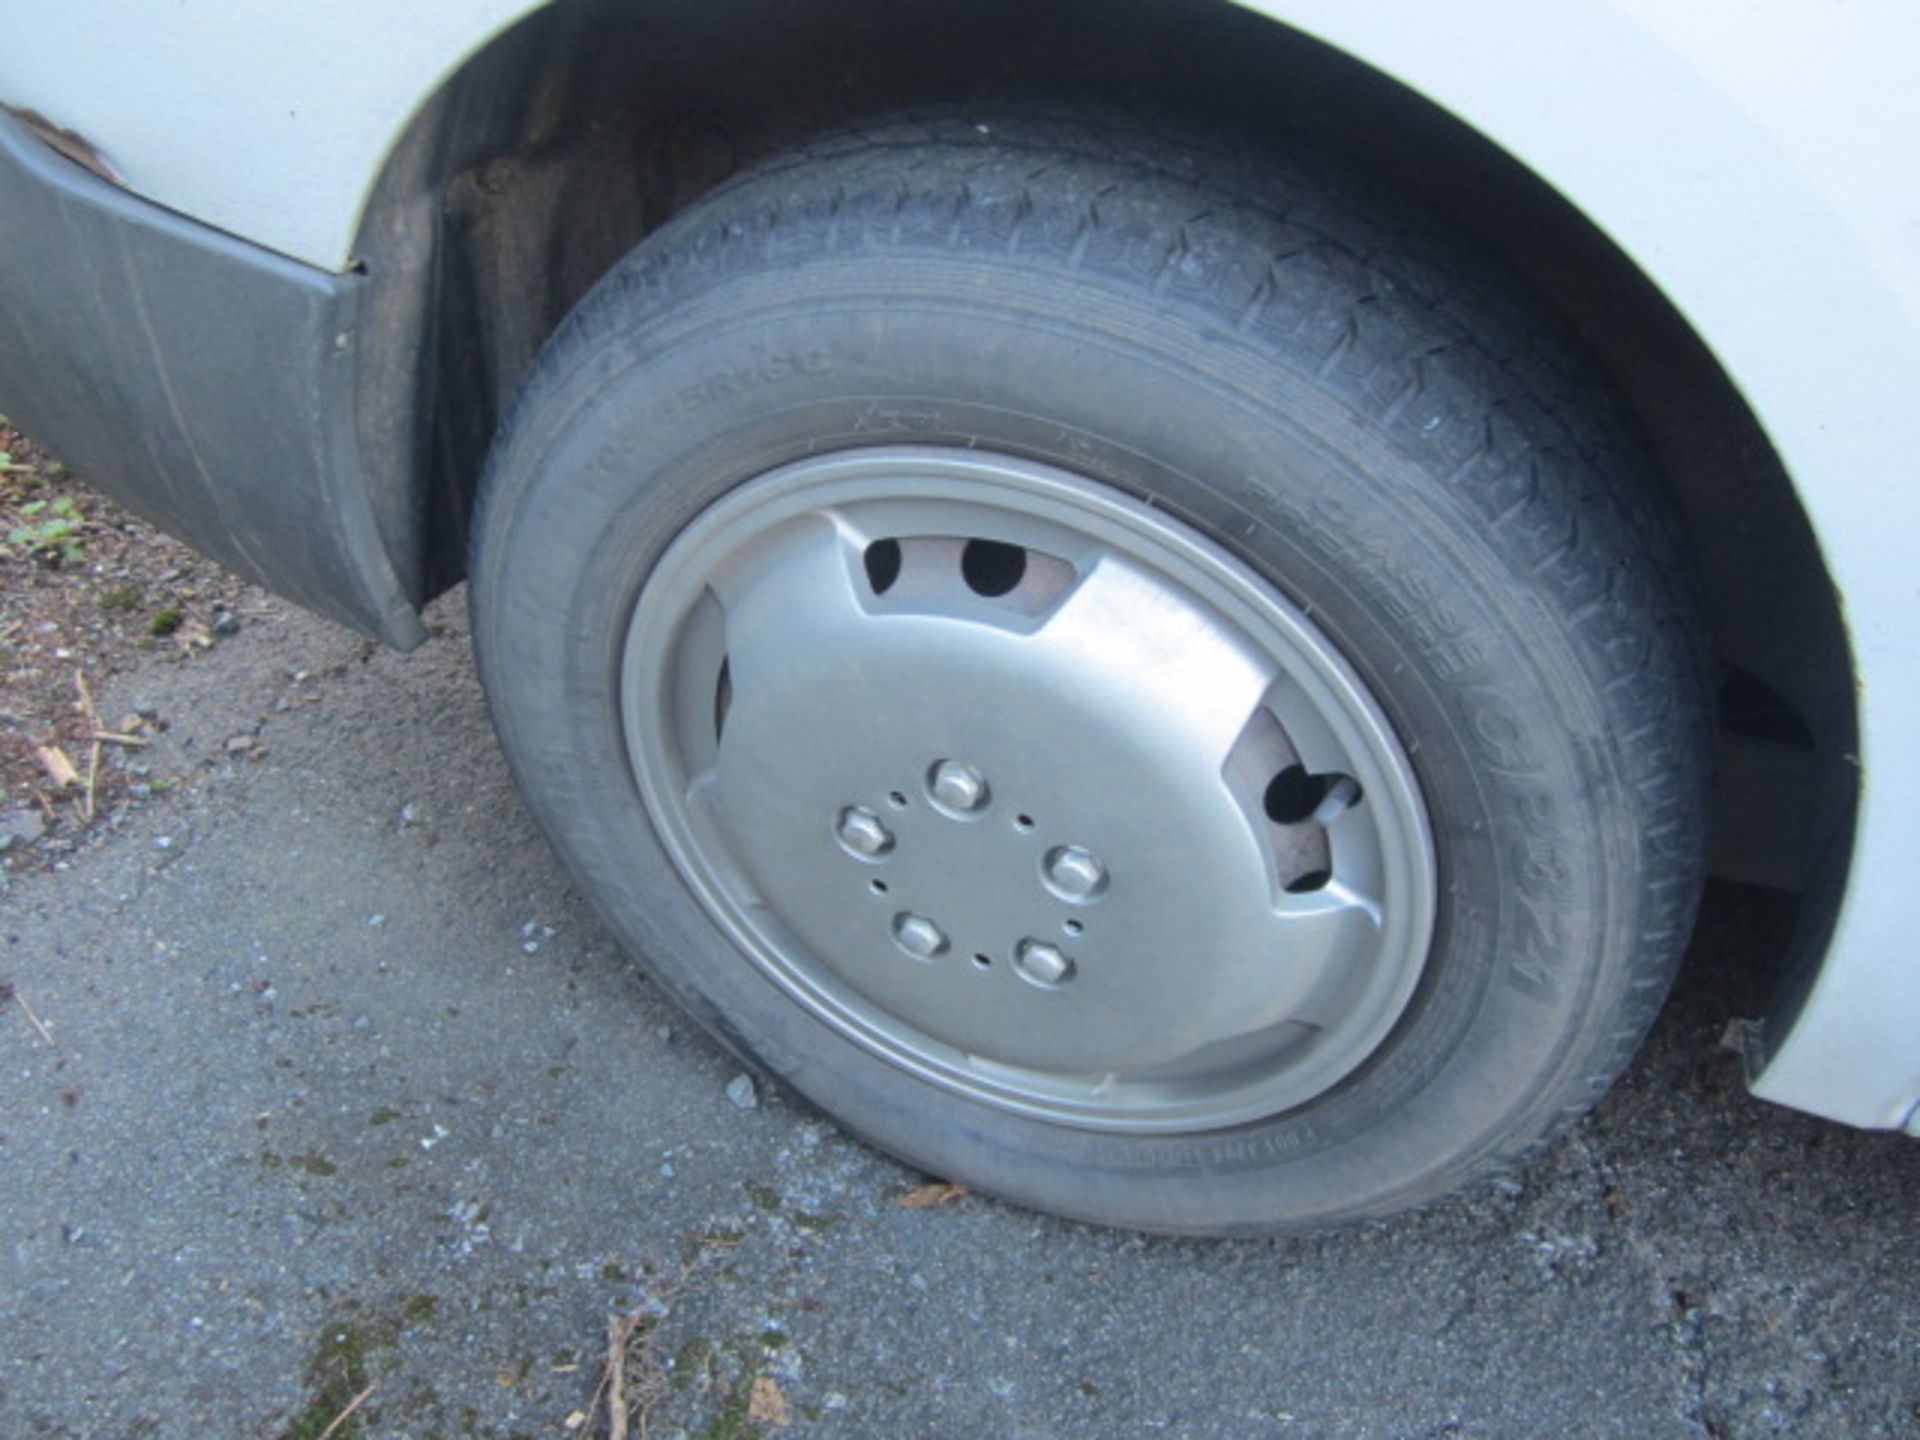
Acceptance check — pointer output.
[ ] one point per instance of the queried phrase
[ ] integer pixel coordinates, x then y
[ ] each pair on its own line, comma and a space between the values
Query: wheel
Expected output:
1105, 670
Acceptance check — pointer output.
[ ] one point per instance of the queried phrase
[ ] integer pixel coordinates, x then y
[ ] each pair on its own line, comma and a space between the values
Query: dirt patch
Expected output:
86, 591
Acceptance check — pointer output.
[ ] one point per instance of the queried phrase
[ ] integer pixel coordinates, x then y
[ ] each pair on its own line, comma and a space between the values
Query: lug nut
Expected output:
1042, 964
956, 787
918, 936
861, 832
1075, 873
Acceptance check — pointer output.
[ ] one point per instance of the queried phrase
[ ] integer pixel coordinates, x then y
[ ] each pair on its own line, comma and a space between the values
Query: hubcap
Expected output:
1029, 789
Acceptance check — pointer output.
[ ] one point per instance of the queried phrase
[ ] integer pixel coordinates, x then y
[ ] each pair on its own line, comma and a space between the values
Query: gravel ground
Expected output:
343, 1092
86, 590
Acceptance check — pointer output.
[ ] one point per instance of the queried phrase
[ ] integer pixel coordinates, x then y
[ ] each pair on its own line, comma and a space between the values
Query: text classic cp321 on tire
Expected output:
1107, 668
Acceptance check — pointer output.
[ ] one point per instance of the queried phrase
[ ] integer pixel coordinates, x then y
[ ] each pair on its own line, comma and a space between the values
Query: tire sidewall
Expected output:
651, 422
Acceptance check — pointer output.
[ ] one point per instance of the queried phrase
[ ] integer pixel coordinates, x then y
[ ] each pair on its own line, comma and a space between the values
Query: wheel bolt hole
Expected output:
1023, 823
897, 800
879, 887
1073, 927
991, 568
980, 961
1310, 881
882, 559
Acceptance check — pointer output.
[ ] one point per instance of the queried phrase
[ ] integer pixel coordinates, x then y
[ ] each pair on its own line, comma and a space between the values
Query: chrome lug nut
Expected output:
1075, 873
957, 788
1042, 964
861, 832
919, 936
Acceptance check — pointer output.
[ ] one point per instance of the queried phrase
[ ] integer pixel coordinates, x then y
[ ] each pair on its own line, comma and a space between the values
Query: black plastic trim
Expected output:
203, 382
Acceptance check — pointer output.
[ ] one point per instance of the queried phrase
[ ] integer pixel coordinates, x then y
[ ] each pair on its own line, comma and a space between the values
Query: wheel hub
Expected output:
1028, 789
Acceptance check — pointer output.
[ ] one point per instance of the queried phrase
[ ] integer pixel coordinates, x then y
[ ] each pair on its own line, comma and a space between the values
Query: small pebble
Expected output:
21, 825
228, 624
741, 1091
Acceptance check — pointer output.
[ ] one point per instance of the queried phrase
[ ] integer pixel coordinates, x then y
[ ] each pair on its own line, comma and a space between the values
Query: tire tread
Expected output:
1353, 291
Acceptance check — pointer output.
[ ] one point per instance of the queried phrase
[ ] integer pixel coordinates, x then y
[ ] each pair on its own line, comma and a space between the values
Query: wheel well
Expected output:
574, 134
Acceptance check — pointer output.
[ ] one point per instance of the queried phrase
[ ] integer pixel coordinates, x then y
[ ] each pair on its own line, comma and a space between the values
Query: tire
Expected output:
1145, 684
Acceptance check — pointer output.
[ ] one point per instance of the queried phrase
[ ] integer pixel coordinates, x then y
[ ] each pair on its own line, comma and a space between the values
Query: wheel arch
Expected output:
570, 136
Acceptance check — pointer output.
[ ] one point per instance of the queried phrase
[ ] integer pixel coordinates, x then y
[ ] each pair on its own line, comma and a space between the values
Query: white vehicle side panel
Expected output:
1751, 155
1755, 159
267, 120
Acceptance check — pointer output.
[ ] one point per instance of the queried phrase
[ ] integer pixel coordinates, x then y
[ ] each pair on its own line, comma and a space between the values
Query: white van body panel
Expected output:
268, 121
1752, 157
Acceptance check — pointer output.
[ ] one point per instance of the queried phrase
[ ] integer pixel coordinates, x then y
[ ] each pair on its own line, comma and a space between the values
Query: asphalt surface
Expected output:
348, 1088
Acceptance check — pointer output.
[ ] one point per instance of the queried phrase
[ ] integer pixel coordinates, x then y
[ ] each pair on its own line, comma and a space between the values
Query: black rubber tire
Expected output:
1297, 366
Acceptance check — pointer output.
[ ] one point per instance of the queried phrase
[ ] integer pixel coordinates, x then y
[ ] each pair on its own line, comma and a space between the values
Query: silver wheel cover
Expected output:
1029, 789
